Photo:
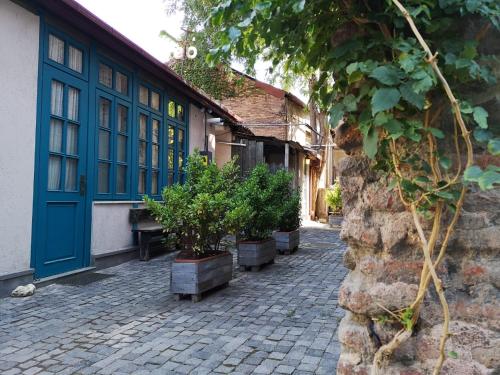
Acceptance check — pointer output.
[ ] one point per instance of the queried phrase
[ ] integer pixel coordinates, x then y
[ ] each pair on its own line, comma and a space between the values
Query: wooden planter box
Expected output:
335, 220
193, 277
287, 242
254, 254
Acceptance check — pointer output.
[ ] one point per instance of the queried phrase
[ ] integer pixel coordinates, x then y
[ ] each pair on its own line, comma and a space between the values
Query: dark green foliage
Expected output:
287, 201
256, 206
334, 198
203, 210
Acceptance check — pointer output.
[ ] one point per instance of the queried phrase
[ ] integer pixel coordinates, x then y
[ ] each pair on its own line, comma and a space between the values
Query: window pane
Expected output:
155, 100
180, 112
73, 102
156, 131
121, 148
55, 141
181, 139
171, 109
170, 181
171, 134
141, 188
104, 112
103, 178
143, 123
181, 162
56, 49
143, 95
121, 179
122, 118
103, 144
121, 83
72, 139
105, 75
155, 156
170, 160
54, 178
142, 153
75, 56
71, 172
154, 183
56, 98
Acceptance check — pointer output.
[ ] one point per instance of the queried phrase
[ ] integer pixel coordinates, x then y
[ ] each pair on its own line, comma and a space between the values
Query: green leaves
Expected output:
234, 33
480, 117
298, 6
336, 114
486, 179
370, 143
494, 146
411, 96
384, 99
388, 75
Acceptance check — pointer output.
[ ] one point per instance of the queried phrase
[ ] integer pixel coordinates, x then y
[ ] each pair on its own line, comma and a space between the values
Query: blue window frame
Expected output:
66, 54
113, 147
177, 141
113, 78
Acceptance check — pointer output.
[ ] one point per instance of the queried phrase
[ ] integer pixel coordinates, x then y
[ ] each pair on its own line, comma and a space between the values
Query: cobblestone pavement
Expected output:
281, 320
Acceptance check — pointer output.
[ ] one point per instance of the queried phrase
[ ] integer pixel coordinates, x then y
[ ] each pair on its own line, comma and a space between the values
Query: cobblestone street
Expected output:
281, 320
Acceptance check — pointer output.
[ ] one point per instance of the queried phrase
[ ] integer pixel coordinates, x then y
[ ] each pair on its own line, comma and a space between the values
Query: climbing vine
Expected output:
406, 77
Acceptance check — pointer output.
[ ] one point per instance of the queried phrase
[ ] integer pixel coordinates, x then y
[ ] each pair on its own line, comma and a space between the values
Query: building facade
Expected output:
89, 124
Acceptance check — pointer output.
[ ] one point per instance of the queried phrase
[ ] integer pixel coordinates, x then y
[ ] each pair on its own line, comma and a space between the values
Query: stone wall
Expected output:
385, 260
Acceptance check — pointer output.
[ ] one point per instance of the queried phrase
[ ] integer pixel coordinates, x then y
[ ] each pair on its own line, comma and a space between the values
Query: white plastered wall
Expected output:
19, 39
111, 229
197, 131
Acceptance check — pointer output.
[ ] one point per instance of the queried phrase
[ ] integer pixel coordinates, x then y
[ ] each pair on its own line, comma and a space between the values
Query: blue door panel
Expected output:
62, 225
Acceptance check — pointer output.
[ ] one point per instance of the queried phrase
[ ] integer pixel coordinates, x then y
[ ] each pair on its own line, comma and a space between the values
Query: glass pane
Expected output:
156, 131
171, 109
121, 179
72, 139
75, 56
142, 153
155, 100
141, 188
154, 183
155, 156
71, 172
56, 98
73, 102
171, 134
105, 75
181, 139
54, 178
104, 112
103, 144
55, 141
56, 49
143, 95
121, 148
121, 83
180, 112
170, 179
170, 160
181, 162
103, 178
122, 118
143, 123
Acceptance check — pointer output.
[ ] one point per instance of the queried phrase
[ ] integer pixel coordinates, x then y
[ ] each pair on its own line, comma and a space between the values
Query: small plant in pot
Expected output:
287, 200
257, 214
334, 202
202, 212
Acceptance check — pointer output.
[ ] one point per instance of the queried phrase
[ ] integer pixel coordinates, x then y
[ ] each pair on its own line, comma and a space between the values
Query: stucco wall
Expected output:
111, 230
197, 130
19, 38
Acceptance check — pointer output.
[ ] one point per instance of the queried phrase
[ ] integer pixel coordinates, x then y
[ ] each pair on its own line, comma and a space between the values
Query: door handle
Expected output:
83, 185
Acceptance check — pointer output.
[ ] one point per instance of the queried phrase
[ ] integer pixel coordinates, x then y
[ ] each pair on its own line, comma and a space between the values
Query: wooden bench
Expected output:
146, 229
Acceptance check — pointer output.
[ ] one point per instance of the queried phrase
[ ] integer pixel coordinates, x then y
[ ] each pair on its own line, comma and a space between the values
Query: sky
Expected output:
141, 21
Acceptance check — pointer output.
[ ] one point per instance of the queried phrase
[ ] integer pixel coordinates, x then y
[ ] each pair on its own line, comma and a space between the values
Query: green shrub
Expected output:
334, 198
256, 205
286, 200
203, 210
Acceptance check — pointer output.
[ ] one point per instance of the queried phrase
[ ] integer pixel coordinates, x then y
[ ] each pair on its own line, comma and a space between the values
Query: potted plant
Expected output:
334, 202
287, 200
257, 214
201, 212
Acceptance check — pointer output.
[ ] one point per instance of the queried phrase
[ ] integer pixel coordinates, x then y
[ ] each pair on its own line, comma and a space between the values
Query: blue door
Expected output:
61, 223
